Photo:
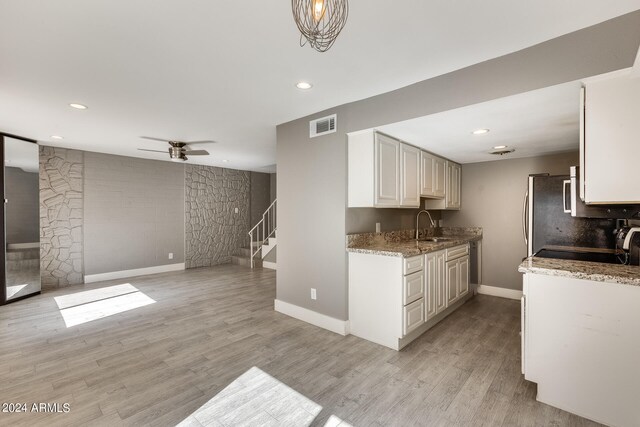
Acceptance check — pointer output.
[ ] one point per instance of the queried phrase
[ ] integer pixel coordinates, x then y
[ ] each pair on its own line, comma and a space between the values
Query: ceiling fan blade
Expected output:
154, 151
196, 152
202, 142
155, 139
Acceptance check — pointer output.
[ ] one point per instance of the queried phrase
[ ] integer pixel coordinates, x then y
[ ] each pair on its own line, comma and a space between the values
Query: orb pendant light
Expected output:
320, 21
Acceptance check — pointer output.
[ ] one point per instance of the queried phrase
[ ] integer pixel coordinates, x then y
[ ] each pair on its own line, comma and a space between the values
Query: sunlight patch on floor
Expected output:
255, 398
334, 421
78, 298
87, 306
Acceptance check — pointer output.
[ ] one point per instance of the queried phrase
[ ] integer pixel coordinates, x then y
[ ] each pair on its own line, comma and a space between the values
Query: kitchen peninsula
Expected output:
580, 323
399, 287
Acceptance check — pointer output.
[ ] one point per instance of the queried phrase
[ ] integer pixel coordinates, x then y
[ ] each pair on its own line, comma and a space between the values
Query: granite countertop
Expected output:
596, 271
403, 243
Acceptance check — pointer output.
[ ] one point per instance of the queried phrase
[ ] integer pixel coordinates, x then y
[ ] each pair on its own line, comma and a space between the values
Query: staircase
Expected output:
261, 251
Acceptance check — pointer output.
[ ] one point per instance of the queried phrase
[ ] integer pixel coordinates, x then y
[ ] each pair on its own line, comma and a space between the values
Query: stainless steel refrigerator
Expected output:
550, 230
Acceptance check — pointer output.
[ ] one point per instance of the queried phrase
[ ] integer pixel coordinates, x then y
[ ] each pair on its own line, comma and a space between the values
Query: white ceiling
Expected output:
226, 70
543, 121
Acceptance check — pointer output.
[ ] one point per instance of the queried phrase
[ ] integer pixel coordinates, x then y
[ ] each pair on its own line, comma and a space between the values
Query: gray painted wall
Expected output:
312, 173
273, 186
61, 217
363, 220
133, 213
260, 196
213, 229
23, 209
492, 195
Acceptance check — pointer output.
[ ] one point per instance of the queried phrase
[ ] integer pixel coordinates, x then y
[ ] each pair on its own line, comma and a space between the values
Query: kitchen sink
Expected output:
435, 239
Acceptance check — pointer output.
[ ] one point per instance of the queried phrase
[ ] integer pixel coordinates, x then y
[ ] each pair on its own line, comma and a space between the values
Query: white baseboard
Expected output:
270, 265
499, 292
321, 320
91, 278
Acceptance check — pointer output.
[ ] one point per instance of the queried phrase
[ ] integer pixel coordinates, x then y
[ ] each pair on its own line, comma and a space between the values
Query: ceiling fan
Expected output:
179, 150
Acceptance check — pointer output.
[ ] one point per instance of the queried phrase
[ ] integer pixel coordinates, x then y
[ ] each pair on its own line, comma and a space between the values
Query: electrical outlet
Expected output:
377, 227
170, 255
236, 210
313, 293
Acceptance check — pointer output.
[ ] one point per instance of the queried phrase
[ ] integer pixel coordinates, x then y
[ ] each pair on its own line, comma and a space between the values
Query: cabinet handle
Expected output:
525, 208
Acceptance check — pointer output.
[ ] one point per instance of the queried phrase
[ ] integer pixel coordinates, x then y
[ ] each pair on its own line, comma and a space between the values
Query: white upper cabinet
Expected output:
387, 171
432, 175
410, 178
452, 182
610, 144
382, 172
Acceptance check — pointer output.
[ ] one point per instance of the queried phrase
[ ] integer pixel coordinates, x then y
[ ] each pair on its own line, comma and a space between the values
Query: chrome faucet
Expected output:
433, 224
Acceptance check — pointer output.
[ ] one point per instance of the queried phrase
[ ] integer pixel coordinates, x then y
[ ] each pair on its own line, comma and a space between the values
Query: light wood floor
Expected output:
159, 363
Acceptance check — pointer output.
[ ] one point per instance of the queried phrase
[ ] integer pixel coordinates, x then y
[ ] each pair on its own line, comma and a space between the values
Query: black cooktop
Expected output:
606, 257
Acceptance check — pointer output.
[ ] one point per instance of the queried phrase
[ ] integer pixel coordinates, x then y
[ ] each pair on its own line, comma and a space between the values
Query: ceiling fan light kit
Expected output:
320, 21
178, 150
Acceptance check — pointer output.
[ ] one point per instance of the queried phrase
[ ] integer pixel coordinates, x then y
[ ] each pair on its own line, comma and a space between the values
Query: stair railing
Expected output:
263, 230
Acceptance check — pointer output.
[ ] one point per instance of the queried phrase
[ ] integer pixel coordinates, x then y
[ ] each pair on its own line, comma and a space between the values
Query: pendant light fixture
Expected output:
320, 21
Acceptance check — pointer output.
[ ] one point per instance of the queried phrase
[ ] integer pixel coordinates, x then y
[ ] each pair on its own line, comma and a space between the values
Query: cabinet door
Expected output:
463, 284
427, 174
387, 171
431, 289
449, 185
611, 147
410, 176
439, 171
457, 180
441, 282
453, 279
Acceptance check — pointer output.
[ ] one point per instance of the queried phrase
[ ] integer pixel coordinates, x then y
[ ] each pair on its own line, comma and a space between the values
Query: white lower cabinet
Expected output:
413, 294
580, 345
392, 300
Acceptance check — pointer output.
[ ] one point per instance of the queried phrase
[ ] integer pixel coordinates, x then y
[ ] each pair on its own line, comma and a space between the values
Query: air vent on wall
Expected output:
323, 126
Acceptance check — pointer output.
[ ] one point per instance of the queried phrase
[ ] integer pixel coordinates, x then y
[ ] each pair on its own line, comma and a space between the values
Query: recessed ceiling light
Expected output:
499, 147
304, 85
480, 131
225, 161
78, 106
56, 137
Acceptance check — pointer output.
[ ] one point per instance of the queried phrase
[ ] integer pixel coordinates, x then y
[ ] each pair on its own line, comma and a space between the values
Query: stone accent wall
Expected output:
213, 231
61, 217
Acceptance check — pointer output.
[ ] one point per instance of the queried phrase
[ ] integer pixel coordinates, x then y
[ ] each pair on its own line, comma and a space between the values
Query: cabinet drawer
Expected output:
457, 252
413, 316
413, 264
413, 287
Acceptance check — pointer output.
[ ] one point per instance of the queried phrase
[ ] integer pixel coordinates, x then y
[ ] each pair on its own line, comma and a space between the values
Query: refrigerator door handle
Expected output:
564, 195
525, 210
